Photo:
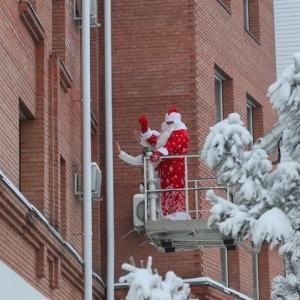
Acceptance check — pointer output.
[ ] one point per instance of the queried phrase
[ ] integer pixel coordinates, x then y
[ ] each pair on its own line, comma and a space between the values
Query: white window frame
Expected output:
219, 102
255, 267
224, 266
250, 107
246, 14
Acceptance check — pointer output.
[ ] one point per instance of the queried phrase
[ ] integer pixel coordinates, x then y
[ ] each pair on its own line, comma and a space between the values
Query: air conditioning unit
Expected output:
93, 13
96, 181
139, 211
96, 178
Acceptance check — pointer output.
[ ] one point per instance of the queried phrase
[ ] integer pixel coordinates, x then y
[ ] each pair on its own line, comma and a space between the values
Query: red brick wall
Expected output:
153, 51
17, 65
221, 40
164, 54
40, 68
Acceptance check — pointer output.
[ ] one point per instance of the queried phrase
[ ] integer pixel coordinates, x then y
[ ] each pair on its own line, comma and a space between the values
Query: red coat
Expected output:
172, 172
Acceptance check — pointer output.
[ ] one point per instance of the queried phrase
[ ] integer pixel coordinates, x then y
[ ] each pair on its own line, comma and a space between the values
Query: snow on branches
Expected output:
266, 202
143, 284
285, 96
257, 198
288, 287
261, 196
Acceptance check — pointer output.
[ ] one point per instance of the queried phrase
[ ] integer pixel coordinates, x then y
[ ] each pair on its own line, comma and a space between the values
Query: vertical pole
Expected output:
186, 188
87, 193
197, 199
109, 151
151, 185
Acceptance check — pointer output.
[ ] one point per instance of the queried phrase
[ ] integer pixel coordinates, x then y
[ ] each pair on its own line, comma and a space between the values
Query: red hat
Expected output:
173, 115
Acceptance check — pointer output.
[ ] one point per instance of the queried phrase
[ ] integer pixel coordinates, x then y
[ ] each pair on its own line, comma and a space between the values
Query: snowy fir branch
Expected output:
266, 201
288, 287
262, 195
248, 173
285, 96
143, 284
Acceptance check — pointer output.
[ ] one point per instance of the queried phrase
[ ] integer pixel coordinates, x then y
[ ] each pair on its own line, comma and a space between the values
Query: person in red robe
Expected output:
173, 140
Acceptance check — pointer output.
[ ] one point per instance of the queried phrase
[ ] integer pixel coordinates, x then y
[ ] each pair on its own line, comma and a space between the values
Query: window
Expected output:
246, 14
255, 277
251, 18
219, 98
59, 28
223, 94
250, 122
254, 126
22, 117
63, 197
224, 103
25, 117
254, 118
224, 266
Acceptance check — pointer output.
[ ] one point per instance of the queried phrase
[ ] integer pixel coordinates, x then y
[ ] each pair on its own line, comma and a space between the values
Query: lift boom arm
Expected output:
270, 140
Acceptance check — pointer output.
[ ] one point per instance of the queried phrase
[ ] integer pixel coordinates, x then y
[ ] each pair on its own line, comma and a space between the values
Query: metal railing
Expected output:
152, 192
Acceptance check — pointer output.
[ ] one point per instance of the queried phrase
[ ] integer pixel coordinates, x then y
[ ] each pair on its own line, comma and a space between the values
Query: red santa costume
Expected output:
173, 140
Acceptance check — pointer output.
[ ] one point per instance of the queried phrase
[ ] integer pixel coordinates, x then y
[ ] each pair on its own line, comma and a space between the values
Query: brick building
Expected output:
207, 58
41, 150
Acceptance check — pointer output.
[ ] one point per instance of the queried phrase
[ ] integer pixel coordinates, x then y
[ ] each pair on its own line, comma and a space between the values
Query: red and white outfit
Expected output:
171, 171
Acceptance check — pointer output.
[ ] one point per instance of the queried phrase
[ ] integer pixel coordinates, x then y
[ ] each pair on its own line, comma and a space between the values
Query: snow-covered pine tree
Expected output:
262, 195
288, 288
144, 284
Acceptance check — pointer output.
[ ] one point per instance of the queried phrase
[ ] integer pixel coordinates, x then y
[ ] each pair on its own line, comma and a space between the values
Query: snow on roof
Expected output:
208, 281
201, 281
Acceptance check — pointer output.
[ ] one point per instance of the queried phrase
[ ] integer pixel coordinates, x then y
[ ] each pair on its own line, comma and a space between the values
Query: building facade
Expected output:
41, 151
207, 58
287, 36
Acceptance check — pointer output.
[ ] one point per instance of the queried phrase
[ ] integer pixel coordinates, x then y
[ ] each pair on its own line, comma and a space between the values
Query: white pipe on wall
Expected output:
87, 156
109, 152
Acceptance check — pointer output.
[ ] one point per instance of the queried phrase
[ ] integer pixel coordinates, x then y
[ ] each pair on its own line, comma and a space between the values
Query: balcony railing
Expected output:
193, 233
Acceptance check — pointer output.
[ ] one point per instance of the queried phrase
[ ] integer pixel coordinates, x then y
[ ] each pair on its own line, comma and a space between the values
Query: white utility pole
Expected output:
109, 152
87, 156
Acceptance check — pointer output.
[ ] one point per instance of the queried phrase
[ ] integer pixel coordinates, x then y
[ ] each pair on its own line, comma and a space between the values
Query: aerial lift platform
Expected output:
178, 235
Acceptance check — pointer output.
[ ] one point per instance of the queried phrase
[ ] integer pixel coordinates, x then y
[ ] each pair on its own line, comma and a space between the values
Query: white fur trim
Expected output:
144, 143
173, 117
180, 126
135, 161
147, 134
163, 150
177, 216
155, 132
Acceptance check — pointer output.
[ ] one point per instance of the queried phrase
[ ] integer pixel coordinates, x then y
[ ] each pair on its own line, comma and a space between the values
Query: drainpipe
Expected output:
87, 159
109, 152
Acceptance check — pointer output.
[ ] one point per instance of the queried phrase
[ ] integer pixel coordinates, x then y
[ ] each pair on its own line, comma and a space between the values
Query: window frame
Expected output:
224, 267
255, 268
219, 102
246, 14
250, 127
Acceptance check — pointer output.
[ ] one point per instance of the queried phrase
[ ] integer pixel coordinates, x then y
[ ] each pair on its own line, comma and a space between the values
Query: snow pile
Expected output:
267, 203
143, 284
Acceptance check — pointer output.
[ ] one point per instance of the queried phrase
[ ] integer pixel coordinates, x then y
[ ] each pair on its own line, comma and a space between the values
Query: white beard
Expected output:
165, 133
